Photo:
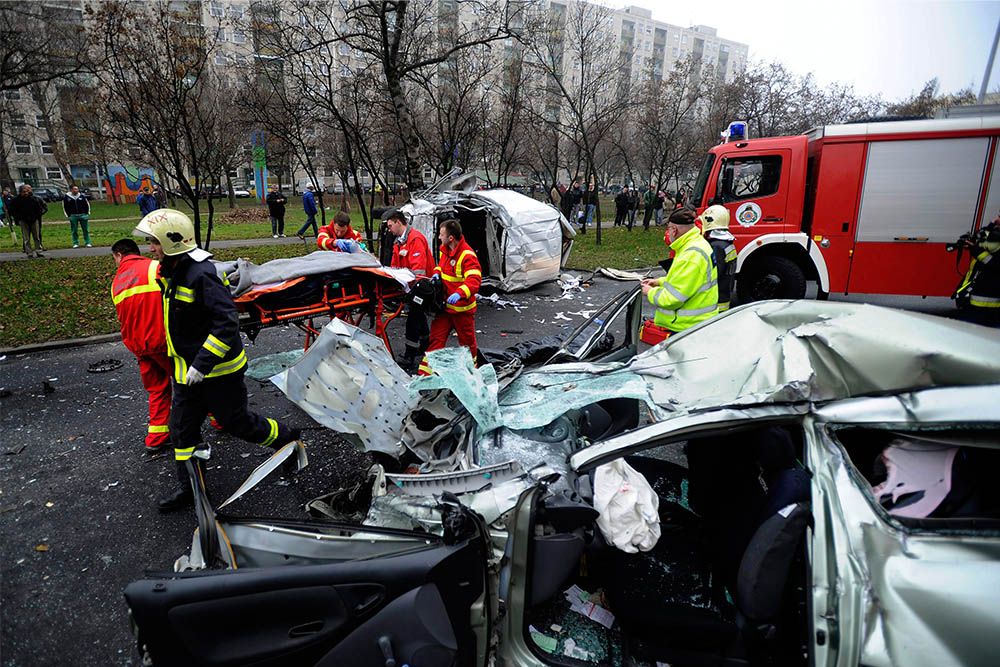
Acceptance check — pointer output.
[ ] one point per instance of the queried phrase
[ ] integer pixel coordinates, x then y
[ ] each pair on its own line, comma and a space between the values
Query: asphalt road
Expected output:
78, 517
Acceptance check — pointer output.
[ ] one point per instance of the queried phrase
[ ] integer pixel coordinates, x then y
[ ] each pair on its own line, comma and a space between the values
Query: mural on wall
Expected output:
128, 181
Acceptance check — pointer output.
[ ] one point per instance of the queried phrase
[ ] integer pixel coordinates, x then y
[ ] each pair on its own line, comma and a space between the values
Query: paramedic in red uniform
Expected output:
411, 251
340, 236
136, 295
459, 269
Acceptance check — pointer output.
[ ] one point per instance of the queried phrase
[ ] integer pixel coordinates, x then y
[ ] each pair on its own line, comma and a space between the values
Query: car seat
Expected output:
676, 603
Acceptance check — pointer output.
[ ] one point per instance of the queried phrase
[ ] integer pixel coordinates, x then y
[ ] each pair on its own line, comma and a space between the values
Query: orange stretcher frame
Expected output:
375, 294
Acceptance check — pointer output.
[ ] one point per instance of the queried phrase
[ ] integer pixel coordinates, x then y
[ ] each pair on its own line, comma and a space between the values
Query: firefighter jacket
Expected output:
327, 237
135, 292
981, 286
411, 251
201, 321
688, 294
460, 271
724, 252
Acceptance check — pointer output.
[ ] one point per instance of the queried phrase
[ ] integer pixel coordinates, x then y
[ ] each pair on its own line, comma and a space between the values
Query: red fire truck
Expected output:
861, 208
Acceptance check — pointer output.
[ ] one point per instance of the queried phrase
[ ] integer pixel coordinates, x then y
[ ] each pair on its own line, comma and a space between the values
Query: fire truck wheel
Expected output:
771, 278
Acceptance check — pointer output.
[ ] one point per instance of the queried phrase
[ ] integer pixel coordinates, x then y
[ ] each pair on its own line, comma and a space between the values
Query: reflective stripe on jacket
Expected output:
460, 272
135, 292
326, 238
984, 276
724, 251
689, 293
201, 322
411, 251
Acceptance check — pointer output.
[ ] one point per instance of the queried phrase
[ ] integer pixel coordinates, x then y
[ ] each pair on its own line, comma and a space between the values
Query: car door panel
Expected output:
304, 614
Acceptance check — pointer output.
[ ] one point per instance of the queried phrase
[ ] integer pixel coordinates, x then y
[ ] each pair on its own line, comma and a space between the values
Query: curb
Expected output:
61, 344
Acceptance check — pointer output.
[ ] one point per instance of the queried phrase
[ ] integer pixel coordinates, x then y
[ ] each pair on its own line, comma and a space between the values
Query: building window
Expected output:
17, 120
13, 94
53, 172
237, 11
325, 69
46, 147
220, 35
22, 147
40, 121
345, 70
221, 59
239, 37
215, 8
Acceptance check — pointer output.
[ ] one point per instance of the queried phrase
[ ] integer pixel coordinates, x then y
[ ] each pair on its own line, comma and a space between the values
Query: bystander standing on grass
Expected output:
76, 207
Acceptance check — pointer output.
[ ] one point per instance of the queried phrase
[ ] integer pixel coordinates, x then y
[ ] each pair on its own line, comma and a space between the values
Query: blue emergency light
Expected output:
736, 131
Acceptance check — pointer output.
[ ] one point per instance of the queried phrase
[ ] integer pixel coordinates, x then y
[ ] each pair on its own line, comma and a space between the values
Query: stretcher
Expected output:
349, 294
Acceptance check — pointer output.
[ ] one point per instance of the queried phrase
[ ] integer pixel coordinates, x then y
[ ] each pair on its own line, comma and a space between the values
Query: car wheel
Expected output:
771, 278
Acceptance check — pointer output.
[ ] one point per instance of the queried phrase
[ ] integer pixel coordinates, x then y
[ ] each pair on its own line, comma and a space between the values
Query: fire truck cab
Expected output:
859, 208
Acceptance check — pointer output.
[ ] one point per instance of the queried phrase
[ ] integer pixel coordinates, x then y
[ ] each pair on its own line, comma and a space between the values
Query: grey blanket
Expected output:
244, 274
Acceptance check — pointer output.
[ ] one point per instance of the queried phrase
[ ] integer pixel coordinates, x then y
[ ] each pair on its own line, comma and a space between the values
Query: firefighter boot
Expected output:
179, 500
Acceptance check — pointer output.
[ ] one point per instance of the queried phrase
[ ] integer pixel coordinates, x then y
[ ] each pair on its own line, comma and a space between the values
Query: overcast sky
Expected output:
887, 47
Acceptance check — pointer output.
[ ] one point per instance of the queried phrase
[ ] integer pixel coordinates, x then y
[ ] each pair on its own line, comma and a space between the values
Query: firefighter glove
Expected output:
194, 376
453, 299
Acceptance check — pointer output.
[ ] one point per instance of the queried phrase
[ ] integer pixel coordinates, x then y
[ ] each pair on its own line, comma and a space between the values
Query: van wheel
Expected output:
771, 278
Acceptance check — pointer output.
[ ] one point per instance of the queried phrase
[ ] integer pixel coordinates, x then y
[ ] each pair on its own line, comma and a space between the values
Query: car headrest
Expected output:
767, 560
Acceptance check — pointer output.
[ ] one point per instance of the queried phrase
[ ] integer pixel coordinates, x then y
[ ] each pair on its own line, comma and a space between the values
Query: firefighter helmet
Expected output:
172, 229
714, 217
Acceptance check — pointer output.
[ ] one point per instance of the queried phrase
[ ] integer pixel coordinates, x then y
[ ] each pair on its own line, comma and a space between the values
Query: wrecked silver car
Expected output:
519, 240
791, 483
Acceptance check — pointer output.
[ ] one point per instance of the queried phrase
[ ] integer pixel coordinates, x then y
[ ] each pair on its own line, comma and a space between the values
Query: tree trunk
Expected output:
407, 133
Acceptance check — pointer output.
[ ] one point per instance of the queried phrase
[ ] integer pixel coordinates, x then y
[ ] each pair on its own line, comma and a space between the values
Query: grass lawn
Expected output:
54, 299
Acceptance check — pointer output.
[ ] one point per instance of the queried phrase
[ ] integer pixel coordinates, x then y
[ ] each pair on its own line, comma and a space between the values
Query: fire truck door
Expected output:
755, 190
918, 195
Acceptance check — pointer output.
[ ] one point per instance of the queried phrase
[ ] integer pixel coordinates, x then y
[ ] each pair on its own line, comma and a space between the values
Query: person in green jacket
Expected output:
689, 293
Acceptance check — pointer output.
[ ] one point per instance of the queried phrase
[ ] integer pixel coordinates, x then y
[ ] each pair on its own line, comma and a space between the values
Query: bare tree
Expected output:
572, 54
40, 43
162, 97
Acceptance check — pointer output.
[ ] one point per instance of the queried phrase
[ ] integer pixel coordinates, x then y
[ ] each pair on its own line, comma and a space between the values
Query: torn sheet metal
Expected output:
884, 587
347, 381
264, 470
780, 351
244, 274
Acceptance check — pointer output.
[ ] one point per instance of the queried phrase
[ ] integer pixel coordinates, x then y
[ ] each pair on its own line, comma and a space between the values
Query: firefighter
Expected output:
459, 269
715, 227
339, 236
411, 251
135, 292
978, 295
689, 293
204, 346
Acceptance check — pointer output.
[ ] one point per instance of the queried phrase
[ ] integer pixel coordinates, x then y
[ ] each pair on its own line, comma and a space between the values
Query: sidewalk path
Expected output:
93, 252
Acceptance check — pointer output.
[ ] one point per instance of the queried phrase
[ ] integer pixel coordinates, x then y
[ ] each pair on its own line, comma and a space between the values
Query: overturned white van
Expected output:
520, 241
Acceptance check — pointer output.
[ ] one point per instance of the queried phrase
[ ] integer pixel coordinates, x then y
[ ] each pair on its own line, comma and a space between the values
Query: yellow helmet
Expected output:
714, 217
172, 229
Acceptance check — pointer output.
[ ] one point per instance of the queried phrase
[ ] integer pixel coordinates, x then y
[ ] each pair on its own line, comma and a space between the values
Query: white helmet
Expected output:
714, 217
172, 229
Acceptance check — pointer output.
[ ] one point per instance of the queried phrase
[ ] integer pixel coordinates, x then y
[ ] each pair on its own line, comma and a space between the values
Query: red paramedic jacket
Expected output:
136, 295
327, 237
461, 272
412, 252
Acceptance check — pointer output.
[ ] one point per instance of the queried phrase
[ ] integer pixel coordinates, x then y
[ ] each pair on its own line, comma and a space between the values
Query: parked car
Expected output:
48, 194
826, 495
241, 194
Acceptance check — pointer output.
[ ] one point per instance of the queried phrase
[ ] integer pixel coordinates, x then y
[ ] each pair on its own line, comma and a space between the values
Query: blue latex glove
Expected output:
453, 299
344, 245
